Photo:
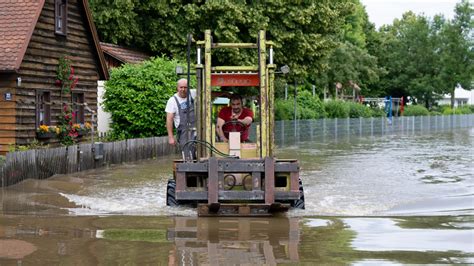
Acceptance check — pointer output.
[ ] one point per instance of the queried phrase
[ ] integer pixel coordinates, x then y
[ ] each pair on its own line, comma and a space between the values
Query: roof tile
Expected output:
17, 21
124, 54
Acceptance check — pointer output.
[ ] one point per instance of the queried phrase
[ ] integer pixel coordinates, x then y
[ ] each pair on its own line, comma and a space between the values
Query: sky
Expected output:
385, 11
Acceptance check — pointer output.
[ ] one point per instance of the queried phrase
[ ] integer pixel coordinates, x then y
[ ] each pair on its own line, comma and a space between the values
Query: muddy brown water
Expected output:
395, 199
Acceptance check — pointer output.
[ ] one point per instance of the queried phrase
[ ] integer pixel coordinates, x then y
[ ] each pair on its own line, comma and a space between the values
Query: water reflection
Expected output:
218, 241
138, 240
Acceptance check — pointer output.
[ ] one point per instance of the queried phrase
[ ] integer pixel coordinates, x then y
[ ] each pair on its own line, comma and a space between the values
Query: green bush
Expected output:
336, 109
283, 109
471, 107
457, 111
136, 97
415, 110
359, 110
308, 107
311, 107
377, 112
439, 109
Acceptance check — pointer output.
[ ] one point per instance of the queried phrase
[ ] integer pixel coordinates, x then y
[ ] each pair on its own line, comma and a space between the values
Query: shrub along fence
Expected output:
43, 163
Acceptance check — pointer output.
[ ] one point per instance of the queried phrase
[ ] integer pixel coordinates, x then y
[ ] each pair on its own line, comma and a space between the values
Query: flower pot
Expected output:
45, 135
81, 133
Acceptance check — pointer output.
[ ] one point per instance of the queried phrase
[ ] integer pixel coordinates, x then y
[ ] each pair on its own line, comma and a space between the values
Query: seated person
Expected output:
234, 118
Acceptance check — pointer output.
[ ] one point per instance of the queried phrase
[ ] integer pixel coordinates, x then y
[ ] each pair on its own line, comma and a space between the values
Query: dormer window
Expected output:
60, 17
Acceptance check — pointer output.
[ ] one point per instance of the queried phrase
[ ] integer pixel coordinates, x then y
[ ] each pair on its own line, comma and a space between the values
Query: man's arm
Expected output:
246, 121
220, 132
169, 128
248, 117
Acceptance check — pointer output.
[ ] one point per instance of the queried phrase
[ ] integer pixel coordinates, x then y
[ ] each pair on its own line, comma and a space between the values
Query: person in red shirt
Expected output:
234, 118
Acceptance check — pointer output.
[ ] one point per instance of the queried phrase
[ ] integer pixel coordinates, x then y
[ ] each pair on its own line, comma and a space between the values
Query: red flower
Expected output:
72, 70
57, 83
74, 83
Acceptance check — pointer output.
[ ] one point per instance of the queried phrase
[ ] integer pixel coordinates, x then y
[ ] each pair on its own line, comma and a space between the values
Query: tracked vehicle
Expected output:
234, 178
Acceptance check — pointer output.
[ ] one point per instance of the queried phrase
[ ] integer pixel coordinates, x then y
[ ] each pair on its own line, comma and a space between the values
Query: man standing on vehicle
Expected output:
180, 112
234, 118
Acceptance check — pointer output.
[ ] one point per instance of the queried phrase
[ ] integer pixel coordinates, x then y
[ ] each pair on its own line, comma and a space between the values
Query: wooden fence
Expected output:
43, 163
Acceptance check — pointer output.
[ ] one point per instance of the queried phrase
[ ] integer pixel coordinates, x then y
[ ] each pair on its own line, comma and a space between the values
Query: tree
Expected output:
304, 32
456, 50
407, 52
350, 62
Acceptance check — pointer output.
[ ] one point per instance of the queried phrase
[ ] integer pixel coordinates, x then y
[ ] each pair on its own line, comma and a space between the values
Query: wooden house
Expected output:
34, 35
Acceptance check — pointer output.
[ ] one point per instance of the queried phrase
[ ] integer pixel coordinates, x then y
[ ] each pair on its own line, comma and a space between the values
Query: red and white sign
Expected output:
235, 80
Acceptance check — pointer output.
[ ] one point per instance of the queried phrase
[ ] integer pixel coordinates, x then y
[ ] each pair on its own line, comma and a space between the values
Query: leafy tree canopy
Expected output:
304, 31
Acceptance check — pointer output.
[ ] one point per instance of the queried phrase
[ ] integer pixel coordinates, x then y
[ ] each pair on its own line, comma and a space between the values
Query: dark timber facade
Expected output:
36, 34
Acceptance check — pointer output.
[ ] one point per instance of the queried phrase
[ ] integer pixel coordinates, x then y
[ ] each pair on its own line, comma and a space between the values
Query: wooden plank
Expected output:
212, 186
30, 168
7, 111
5, 126
287, 195
190, 195
294, 181
180, 182
192, 167
72, 163
8, 119
86, 160
286, 167
7, 105
7, 140
43, 163
269, 180
108, 149
130, 150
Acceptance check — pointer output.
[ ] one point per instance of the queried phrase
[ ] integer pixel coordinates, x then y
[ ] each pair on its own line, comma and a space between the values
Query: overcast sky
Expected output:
384, 11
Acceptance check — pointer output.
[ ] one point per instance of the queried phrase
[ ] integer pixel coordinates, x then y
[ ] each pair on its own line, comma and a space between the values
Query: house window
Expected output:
60, 16
43, 108
78, 108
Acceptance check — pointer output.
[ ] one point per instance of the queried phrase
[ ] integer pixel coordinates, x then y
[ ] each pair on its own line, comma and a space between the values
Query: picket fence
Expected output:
43, 163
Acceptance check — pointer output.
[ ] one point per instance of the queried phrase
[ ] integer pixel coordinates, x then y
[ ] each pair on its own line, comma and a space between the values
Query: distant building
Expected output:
116, 55
461, 97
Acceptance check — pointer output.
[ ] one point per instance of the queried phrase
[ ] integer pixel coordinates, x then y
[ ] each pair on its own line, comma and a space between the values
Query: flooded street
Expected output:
393, 199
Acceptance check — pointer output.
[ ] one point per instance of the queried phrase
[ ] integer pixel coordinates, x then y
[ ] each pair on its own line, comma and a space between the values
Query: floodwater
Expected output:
396, 199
